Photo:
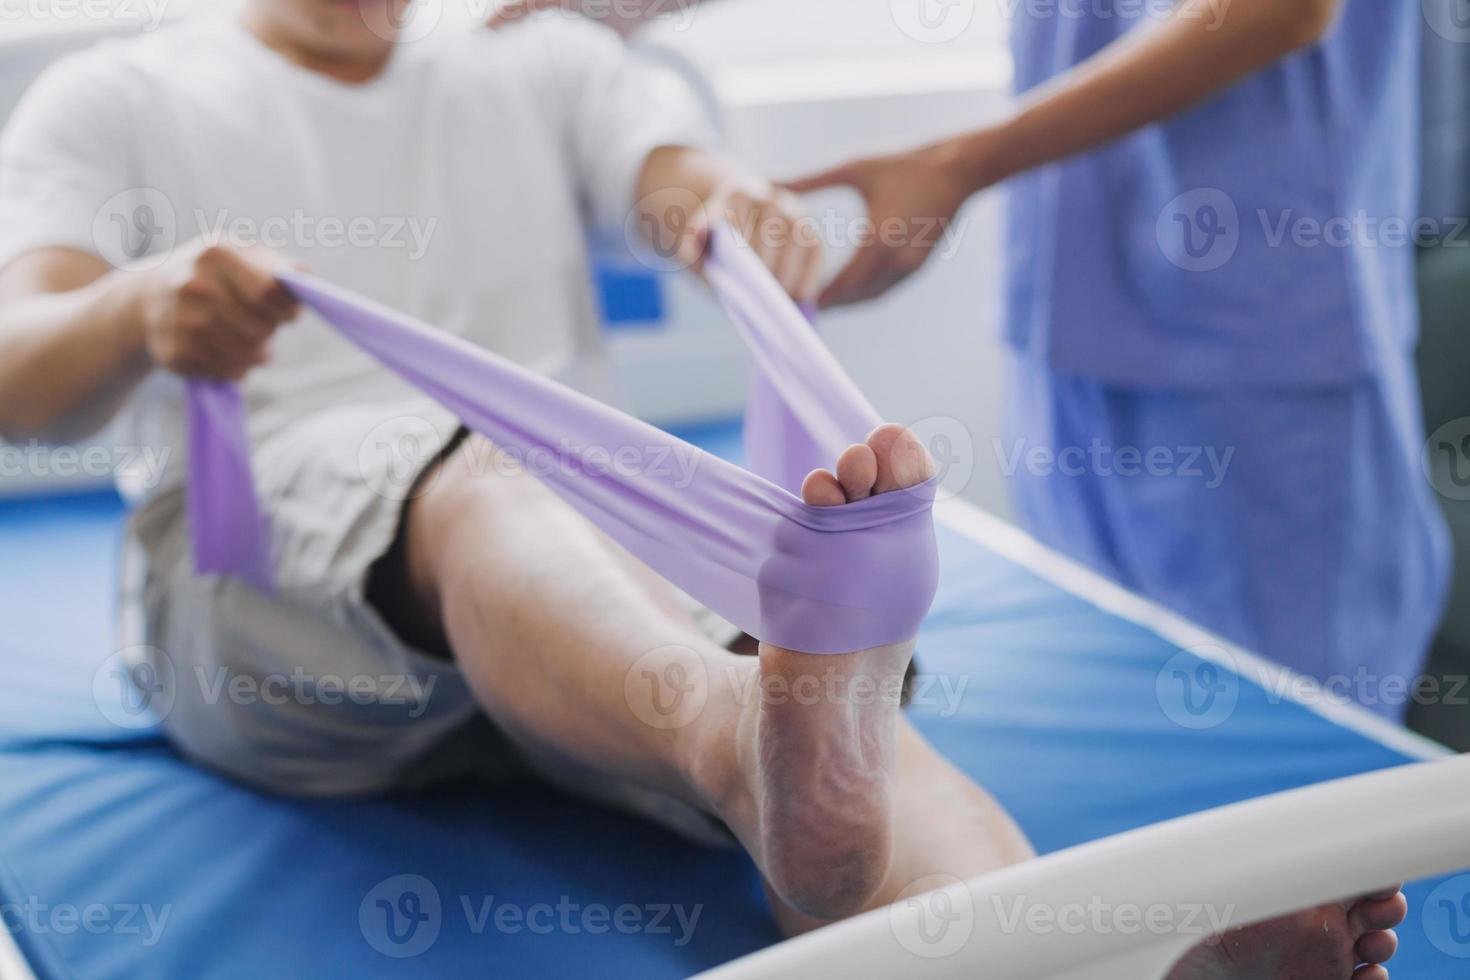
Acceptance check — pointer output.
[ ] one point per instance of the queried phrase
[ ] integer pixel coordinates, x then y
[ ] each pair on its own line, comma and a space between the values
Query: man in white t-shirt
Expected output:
481, 625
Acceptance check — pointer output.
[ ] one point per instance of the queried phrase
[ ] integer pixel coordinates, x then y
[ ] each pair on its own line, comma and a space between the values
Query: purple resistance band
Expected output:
815, 579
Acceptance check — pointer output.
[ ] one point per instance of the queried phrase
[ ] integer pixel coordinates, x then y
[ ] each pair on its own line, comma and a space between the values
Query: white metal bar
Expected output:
1231, 866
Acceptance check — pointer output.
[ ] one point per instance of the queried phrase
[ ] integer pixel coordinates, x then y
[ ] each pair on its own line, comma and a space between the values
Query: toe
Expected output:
857, 471
1378, 913
1377, 946
1371, 972
902, 459
821, 489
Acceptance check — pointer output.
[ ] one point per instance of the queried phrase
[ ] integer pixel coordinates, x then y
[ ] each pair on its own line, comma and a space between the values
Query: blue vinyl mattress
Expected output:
120, 860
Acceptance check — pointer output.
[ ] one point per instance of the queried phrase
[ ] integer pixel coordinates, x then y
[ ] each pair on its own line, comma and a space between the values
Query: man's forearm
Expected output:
1204, 47
682, 191
69, 359
675, 190
683, 169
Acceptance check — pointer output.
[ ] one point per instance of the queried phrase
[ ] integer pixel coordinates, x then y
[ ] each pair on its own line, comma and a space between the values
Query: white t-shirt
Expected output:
456, 186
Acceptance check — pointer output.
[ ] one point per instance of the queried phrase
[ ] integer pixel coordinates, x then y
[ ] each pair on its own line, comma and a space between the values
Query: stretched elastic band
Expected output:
815, 579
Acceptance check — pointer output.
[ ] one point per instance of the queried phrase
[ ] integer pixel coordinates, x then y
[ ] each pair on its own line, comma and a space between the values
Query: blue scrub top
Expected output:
1264, 237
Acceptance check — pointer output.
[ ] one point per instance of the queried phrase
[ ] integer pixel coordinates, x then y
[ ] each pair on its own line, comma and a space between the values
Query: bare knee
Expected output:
449, 525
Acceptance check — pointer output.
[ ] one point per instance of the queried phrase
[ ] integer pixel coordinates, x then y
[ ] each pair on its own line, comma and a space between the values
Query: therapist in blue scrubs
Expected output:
1210, 300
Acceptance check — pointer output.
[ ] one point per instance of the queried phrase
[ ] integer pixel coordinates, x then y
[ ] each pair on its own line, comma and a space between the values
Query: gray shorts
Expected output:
310, 692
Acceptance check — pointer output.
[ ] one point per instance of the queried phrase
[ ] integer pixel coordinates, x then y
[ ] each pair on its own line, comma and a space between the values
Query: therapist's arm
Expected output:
681, 190
77, 337
1202, 48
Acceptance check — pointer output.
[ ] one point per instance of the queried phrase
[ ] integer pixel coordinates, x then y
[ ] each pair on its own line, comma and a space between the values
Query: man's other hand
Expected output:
211, 310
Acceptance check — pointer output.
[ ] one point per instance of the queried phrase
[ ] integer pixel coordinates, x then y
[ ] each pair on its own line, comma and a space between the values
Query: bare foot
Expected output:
1338, 941
821, 740
818, 811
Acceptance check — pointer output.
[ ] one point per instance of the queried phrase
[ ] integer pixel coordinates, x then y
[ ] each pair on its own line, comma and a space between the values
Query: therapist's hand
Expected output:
912, 199
210, 310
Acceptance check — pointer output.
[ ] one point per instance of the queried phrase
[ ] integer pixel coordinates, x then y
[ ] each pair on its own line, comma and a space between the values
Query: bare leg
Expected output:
547, 617
841, 805
549, 621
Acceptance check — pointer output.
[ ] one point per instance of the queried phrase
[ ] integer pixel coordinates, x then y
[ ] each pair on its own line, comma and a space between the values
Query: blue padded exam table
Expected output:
120, 860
